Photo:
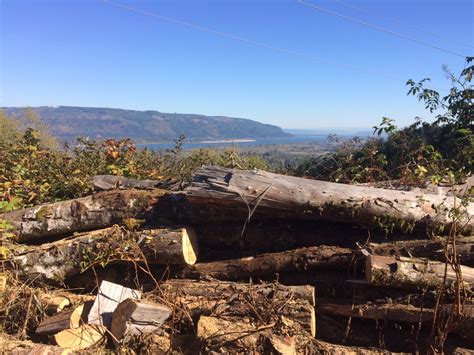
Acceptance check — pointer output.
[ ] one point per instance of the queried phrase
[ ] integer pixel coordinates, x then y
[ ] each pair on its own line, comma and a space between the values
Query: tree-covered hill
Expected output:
67, 123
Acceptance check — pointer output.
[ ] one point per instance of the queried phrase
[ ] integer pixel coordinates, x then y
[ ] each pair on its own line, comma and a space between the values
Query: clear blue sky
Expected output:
92, 53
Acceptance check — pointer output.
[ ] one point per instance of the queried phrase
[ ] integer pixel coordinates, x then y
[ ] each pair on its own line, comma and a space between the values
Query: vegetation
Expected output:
443, 149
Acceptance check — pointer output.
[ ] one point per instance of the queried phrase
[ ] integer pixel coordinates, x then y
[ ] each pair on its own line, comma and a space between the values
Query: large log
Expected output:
412, 273
82, 214
225, 289
57, 261
304, 259
268, 302
393, 312
112, 182
223, 193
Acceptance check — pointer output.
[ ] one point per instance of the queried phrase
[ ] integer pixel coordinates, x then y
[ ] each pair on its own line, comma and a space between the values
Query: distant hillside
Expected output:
67, 123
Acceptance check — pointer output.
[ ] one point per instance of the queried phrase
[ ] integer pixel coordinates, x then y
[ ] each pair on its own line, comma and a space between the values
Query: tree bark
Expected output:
57, 261
71, 318
314, 258
112, 182
393, 312
411, 273
233, 194
223, 289
82, 214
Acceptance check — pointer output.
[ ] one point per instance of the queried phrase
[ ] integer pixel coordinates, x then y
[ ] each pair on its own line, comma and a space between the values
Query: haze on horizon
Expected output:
262, 60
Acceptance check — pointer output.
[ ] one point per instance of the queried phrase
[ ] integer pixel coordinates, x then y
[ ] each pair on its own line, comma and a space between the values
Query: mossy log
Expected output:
229, 194
303, 259
54, 262
412, 273
63, 218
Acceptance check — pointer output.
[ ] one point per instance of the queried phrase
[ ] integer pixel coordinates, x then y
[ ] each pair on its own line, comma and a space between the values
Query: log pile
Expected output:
248, 261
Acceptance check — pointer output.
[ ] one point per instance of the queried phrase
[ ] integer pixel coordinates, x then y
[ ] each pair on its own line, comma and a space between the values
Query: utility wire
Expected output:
401, 23
348, 18
256, 43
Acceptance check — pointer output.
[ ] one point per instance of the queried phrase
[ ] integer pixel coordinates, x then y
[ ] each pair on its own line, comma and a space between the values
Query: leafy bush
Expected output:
440, 150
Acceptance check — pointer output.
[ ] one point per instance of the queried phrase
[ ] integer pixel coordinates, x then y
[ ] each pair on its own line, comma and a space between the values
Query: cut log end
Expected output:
190, 245
313, 322
81, 338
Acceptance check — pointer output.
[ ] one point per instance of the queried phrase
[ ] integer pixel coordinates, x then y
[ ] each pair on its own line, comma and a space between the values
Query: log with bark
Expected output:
112, 182
54, 262
69, 319
229, 194
269, 303
392, 312
412, 273
63, 218
304, 259
225, 289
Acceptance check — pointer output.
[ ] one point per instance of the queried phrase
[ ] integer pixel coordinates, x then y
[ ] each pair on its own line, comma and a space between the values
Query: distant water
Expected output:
257, 142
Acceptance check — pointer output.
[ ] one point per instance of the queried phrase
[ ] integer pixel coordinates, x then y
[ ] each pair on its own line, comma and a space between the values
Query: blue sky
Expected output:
92, 53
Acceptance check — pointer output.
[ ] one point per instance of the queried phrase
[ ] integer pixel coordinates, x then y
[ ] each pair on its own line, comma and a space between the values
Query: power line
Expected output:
348, 18
256, 43
400, 23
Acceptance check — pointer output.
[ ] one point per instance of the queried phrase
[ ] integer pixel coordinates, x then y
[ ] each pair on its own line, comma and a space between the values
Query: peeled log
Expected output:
304, 259
82, 214
57, 261
411, 273
223, 192
223, 289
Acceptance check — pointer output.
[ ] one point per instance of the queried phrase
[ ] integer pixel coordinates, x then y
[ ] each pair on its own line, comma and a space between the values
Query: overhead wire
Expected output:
397, 34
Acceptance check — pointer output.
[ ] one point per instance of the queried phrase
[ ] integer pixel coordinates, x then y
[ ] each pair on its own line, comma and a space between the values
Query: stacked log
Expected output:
250, 261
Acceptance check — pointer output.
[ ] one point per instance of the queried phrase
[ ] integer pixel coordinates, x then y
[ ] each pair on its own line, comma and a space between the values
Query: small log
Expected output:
392, 312
72, 318
82, 214
229, 194
81, 338
411, 273
55, 262
132, 317
110, 295
53, 304
304, 259
223, 289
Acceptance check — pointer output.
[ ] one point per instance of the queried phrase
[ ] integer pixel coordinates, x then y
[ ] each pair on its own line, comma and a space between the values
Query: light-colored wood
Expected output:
108, 298
303, 259
132, 317
11, 346
82, 214
81, 338
229, 194
53, 303
65, 320
57, 261
412, 273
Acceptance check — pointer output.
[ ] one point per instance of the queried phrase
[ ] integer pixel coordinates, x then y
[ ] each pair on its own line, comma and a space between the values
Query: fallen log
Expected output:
392, 312
82, 214
412, 273
57, 261
112, 182
132, 317
81, 338
217, 191
223, 289
11, 346
304, 259
263, 302
72, 318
